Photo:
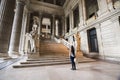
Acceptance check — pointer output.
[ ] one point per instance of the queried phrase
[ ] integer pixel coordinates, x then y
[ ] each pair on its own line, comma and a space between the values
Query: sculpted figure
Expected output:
32, 36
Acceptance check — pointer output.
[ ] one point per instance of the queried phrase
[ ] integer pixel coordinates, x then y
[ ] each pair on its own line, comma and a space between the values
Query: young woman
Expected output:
72, 57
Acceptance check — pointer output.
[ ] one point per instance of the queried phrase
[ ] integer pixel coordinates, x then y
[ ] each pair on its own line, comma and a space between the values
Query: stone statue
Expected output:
32, 37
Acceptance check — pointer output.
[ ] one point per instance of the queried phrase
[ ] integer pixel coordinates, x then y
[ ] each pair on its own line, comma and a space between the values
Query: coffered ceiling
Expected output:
55, 2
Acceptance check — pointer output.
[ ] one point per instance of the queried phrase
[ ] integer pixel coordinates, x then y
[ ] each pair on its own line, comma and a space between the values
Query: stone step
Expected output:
49, 63
51, 54
46, 61
40, 64
43, 59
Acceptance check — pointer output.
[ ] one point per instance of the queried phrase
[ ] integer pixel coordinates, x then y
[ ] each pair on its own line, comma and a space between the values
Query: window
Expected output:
68, 24
91, 8
92, 40
76, 16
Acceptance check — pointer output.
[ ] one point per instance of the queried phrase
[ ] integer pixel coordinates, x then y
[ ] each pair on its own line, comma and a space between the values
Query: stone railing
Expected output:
63, 41
58, 40
66, 43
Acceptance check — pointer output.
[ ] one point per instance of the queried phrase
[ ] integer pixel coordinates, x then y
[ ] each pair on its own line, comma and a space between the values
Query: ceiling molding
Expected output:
46, 8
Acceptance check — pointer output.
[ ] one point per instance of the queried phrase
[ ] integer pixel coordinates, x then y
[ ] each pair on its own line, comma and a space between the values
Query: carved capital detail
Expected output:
23, 2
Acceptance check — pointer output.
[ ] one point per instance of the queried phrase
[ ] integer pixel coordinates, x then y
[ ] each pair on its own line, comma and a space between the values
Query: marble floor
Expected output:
85, 71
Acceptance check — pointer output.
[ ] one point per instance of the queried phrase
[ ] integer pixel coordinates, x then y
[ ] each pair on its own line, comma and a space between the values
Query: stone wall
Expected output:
107, 25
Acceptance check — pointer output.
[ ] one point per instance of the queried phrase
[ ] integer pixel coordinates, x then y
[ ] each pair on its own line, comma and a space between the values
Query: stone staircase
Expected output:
51, 53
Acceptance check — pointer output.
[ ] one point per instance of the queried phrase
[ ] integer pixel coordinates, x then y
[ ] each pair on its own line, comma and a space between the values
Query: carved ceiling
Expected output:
43, 7
55, 2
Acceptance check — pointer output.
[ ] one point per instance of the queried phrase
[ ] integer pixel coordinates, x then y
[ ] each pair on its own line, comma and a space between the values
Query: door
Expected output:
92, 40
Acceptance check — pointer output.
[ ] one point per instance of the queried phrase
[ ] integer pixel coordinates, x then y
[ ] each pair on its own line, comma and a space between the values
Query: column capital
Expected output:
21, 1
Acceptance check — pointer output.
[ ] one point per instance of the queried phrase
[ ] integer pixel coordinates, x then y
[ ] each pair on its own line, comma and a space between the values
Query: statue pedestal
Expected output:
79, 53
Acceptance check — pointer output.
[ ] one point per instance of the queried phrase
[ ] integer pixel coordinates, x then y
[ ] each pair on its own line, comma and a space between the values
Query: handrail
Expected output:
66, 43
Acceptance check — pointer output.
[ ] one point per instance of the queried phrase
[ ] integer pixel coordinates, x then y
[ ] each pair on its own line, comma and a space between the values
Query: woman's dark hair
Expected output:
73, 38
72, 50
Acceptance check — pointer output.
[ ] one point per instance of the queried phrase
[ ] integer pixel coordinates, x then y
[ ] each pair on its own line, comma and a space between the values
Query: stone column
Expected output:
53, 26
71, 21
40, 24
63, 25
84, 12
23, 31
28, 22
56, 28
16, 30
6, 20
81, 13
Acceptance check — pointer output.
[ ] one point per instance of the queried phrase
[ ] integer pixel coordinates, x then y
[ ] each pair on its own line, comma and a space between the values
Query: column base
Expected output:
13, 54
4, 55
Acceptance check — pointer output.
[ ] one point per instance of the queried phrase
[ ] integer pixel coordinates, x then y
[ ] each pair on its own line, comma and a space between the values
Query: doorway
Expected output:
92, 40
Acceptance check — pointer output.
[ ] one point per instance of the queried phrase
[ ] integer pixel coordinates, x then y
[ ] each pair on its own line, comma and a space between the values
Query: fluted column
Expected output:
6, 20
16, 30
23, 32
53, 26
